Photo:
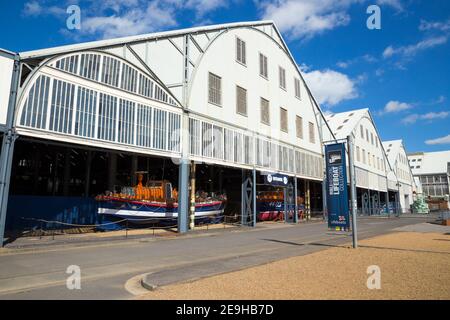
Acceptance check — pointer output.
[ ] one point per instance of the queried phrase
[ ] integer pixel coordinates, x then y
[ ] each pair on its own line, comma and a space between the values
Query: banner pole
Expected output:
353, 204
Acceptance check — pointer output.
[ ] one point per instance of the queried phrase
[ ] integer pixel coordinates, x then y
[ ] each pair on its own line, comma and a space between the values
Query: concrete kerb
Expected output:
146, 282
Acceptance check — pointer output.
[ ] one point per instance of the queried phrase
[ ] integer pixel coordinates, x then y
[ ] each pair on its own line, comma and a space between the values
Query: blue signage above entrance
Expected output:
337, 192
276, 179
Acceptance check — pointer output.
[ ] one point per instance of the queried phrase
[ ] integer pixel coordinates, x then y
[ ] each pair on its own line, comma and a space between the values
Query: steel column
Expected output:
192, 198
183, 197
295, 201
353, 202
254, 197
7, 150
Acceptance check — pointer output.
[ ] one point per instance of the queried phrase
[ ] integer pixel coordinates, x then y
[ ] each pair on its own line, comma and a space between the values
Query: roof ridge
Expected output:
143, 37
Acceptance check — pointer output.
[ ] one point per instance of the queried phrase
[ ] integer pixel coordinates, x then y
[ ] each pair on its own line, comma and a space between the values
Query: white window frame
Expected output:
261, 111
237, 101
281, 120
219, 104
243, 53
297, 126
282, 77
297, 88
264, 66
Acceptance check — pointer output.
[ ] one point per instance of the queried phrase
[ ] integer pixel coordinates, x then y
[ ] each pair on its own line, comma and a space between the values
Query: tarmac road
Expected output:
107, 265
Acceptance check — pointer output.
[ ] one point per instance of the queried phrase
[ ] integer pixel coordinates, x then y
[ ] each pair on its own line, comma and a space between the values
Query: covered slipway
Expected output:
86, 119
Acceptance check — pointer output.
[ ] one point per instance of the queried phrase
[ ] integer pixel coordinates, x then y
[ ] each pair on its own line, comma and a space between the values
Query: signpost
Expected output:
337, 193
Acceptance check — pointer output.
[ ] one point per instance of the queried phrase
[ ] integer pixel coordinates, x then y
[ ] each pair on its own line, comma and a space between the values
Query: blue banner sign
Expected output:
337, 192
276, 179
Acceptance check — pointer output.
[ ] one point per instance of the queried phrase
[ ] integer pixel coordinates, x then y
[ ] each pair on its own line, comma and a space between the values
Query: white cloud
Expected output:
204, 6
441, 140
440, 99
412, 118
396, 4
330, 87
434, 25
396, 106
133, 21
32, 8
116, 18
343, 64
367, 58
413, 49
306, 18
379, 72
435, 115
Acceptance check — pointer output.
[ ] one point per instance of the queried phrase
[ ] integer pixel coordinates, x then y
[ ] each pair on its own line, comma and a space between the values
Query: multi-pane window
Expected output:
110, 71
241, 100
90, 65
107, 110
367, 135
174, 132
371, 138
297, 87
362, 131
263, 66
62, 106
312, 137
145, 86
282, 76
284, 119
129, 78
364, 156
207, 139
34, 112
218, 142
229, 144
214, 89
159, 129
240, 51
248, 149
265, 111
143, 126
357, 154
299, 126
238, 155
126, 121
69, 64
85, 113
195, 136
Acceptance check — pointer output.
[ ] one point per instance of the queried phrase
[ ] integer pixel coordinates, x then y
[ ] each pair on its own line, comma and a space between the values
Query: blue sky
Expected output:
401, 72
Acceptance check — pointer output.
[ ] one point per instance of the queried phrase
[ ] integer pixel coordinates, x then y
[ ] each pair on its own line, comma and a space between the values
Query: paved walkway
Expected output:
336, 273
107, 265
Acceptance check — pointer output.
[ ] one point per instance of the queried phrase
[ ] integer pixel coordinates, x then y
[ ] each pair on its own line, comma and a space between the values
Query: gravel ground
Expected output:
413, 266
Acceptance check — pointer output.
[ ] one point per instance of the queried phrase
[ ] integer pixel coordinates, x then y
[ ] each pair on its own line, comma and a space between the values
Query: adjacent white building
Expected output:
432, 169
398, 160
375, 191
